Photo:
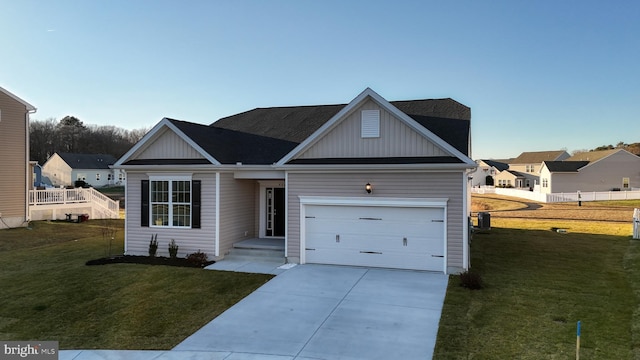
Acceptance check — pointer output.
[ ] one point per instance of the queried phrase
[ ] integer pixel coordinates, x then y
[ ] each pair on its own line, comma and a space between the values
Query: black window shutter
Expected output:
195, 203
144, 207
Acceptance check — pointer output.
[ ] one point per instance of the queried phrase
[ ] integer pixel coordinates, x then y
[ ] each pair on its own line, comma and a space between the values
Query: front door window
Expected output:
275, 212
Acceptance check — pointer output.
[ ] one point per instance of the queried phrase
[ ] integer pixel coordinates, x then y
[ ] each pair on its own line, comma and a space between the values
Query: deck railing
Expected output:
73, 196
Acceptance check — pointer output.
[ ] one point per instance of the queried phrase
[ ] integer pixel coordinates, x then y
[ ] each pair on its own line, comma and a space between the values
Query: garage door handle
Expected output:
437, 256
309, 249
437, 221
369, 218
370, 252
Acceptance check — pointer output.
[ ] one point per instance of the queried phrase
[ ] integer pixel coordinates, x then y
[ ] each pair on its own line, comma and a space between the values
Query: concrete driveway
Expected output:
330, 312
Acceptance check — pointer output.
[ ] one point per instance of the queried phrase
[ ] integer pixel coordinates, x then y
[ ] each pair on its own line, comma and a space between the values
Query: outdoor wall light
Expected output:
368, 188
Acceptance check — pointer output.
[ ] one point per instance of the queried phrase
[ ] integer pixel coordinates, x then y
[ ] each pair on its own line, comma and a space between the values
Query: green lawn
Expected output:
49, 294
539, 283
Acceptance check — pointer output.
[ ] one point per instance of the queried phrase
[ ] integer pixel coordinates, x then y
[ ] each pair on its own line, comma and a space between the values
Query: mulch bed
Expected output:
147, 260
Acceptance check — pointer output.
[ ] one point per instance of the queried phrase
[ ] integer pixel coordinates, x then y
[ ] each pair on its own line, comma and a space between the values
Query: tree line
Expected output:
633, 148
72, 136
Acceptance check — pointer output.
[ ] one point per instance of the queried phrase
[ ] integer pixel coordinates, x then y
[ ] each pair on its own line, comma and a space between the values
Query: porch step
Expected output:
256, 254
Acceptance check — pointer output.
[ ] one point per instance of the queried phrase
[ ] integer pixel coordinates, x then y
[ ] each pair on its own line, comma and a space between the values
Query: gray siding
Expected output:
396, 139
602, 175
13, 147
401, 185
238, 209
169, 146
189, 240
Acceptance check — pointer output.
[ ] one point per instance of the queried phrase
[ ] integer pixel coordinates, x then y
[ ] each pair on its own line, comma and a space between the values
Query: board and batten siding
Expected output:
385, 184
237, 215
14, 162
189, 240
169, 146
396, 139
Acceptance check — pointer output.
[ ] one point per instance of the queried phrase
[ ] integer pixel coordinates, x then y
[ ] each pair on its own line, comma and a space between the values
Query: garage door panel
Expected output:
377, 236
383, 259
375, 242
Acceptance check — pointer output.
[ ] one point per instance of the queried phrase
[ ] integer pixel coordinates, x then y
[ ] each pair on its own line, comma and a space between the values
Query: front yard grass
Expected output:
538, 284
48, 293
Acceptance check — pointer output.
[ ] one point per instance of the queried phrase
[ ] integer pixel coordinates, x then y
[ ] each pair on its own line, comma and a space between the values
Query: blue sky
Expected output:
538, 75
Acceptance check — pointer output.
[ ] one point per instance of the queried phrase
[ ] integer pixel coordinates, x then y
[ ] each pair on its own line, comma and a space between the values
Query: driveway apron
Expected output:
331, 312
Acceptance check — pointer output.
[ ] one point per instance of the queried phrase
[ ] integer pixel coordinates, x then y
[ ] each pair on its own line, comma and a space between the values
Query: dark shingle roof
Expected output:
88, 161
537, 157
446, 118
565, 166
230, 147
500, 166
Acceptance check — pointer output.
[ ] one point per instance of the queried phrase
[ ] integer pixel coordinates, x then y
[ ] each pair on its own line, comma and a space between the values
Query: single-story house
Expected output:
487, 169
369, 183
509, 178
605, 170
64, 169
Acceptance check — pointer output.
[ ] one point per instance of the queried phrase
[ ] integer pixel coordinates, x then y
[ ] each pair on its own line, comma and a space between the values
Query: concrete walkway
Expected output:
318, 312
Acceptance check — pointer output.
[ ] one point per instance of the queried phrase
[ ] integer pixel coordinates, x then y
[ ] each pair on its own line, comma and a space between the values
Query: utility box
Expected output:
484, 221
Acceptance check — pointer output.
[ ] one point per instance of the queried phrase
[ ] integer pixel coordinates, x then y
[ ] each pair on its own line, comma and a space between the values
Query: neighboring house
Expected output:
487, 169
516, 179
15, 177
531, 162
370, 183
605, 170
64, 169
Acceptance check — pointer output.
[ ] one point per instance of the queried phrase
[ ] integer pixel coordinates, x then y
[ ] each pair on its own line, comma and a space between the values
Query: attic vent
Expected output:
370, 125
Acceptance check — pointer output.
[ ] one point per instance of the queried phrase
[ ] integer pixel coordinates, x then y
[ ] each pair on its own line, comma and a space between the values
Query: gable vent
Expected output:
370, 125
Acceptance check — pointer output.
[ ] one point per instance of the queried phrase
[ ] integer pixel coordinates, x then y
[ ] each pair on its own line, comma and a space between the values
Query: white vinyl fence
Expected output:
560, 197
636, 224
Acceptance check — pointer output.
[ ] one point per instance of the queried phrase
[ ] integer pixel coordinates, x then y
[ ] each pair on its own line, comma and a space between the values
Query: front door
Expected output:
275, 212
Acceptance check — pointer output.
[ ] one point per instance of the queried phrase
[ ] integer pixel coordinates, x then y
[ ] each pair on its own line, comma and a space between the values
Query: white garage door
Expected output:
376, 236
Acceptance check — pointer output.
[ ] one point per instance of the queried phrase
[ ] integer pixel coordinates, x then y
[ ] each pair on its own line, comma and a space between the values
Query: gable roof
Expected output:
265, 136
28, 106
565, 166
537, 157
500, 166
457, 156
446, 118
591, 156
88, 161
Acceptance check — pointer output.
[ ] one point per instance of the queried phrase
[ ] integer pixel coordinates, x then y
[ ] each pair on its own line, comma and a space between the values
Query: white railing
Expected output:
560, 197
73, 196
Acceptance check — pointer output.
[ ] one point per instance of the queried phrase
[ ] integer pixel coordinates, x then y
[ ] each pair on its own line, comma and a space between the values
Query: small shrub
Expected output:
471, 280
153, 245
198, 258
173, 249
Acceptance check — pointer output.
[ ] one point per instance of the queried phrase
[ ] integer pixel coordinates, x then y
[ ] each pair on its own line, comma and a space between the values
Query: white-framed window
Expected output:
121, 176
97, 176
545, 182
81, 176
170, 201
529, 168
625, 183
109, 177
